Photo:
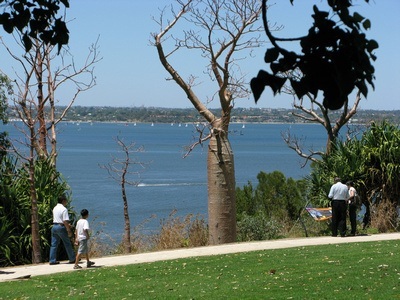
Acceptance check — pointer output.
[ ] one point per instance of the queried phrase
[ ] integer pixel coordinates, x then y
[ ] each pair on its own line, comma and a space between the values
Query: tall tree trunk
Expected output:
221, 190
223, 28
329, 144
51, 87
36, 249
42, 130
127, 227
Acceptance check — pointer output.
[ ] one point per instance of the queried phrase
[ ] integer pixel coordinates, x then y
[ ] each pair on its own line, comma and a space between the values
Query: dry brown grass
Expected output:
175, 232
179, 232
384, 216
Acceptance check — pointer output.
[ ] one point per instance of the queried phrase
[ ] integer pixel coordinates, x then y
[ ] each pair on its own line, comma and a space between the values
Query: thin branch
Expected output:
295, 144
199, 141
119, 168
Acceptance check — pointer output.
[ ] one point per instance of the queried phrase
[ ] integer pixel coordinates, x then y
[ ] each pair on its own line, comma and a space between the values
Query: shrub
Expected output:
15, 208
257, 228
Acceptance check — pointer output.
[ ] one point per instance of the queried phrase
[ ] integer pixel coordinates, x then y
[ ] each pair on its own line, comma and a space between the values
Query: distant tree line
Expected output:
190, 115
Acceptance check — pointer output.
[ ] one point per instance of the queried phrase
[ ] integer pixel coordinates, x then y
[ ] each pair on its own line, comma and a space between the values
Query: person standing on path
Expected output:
353, 206
61, 231
81, 239
338, 194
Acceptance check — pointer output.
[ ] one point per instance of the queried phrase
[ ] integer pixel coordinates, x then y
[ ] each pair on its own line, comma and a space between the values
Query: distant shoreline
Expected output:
191, 116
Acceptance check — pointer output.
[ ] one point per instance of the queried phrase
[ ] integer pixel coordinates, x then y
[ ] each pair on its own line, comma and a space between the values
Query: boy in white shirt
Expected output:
81, 238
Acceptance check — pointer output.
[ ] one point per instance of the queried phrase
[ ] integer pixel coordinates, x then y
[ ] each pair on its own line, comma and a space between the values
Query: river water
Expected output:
168, 181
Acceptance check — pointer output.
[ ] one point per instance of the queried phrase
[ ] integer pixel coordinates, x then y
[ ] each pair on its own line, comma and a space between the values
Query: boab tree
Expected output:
222, 32
335, 59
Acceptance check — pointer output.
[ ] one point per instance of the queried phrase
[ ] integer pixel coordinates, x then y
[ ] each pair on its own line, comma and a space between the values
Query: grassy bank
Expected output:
368, 270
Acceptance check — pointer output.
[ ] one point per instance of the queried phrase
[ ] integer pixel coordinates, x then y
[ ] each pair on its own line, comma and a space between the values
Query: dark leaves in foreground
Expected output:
335, 58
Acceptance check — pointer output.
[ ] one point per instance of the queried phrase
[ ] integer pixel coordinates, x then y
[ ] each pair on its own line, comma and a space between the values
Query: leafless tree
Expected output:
223, 32
119, 170
309, 108
34, 103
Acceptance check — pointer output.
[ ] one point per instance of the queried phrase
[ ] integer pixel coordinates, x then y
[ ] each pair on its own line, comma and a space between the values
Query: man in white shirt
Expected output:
61, 231
338, 194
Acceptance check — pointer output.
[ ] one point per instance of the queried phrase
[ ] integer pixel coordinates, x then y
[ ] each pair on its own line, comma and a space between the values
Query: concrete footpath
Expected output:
27, 271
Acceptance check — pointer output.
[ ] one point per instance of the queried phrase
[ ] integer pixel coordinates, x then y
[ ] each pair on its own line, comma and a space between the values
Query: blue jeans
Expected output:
59, 232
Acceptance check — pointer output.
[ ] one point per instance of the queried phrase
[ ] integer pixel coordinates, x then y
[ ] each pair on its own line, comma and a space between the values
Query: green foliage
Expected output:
245, 202
15, 207
367, 270
275, 198
319, 185
335, 57
9, 211
343, 161
274, 195
380, 155
258, 227
372, 162
6, 240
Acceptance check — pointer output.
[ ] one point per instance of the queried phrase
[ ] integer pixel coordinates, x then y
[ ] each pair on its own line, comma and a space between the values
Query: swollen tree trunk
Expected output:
222, 28
221, 190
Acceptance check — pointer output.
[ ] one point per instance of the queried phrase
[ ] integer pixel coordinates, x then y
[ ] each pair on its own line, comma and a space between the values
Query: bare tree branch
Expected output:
36, 89
310, 109
295, 144
119, 168
200, 140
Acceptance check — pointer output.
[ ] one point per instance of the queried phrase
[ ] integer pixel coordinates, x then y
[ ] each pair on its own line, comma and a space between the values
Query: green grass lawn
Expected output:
368, 270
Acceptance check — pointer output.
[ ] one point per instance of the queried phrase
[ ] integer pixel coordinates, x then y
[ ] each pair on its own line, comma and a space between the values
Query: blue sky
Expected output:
130, 73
